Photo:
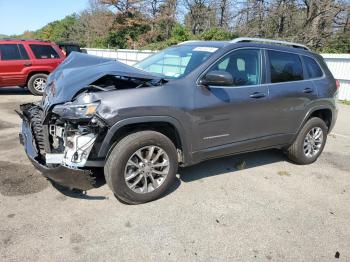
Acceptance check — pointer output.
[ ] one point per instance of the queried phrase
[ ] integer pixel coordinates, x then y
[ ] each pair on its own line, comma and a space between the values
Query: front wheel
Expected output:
37, 83
309, 143
141, 167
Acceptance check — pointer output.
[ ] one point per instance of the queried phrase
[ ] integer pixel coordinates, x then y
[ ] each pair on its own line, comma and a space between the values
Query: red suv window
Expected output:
23, 52
44, 52
9, 52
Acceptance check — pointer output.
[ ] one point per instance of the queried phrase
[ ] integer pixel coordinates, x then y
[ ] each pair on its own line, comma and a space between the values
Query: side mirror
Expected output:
217, 78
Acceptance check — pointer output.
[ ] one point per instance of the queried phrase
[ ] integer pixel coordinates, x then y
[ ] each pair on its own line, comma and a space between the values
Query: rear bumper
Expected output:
73, 178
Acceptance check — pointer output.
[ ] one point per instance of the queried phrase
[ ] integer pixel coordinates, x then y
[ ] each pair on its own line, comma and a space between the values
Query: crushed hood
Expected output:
79, 70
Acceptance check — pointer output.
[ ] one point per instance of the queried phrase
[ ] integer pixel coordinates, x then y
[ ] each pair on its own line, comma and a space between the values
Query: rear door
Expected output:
13, 61
290, 91
45, 56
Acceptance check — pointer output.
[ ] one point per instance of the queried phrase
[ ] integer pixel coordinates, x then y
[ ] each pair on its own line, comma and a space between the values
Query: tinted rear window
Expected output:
44, 52
312, 68
285, 67
23, 52
9, 52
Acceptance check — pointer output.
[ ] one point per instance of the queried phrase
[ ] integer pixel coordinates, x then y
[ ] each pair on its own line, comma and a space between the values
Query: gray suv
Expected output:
191, 102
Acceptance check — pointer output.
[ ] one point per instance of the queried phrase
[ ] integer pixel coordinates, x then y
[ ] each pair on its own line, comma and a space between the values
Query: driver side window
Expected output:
243, 65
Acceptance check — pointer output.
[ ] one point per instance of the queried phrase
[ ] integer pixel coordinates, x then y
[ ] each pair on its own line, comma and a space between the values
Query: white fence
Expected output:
127, 56
339, 64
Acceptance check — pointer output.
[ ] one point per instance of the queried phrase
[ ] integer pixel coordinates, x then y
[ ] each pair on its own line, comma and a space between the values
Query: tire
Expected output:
36, 116
296, 152
117, 167
33, 86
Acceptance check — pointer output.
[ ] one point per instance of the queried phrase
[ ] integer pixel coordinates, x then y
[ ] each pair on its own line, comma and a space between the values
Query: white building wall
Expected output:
339, 64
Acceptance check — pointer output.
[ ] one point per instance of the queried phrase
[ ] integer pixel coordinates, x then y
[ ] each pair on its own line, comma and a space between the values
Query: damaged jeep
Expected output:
198, 100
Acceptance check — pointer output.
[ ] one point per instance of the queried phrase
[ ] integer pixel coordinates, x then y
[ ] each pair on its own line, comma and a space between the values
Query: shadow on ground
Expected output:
203, 170
75, 193
14, 91
234, 163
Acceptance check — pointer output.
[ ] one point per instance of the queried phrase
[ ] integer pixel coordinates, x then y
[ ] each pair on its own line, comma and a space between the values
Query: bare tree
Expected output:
200, 16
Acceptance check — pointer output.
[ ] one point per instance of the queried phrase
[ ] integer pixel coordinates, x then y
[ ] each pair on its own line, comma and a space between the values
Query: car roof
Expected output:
30, 41
228, 44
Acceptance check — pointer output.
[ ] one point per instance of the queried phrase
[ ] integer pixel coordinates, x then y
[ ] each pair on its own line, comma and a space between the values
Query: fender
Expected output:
34, 69
311, 110
107, 141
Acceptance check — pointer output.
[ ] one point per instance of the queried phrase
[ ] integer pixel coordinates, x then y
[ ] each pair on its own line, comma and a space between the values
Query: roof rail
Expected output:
269, 41
189, 41
19, 39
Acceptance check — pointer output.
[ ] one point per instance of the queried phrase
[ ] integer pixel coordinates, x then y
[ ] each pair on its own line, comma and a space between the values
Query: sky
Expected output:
17, 16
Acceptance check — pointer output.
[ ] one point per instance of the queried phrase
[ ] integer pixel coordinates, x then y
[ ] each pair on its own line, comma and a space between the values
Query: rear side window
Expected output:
23, 52
285, 67
44, 51
9, 52
312, 68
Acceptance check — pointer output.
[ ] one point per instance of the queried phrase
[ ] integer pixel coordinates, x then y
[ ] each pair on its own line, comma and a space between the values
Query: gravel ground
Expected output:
250, 207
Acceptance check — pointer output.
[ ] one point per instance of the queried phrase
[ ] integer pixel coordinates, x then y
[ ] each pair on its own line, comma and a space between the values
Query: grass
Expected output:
345, 102
283, 173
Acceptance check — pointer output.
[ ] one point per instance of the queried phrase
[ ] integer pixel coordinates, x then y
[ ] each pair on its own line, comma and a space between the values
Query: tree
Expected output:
200, 16
93, 26
59, 31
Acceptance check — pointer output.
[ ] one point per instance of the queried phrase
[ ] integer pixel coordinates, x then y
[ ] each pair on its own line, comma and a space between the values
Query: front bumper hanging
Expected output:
73, 178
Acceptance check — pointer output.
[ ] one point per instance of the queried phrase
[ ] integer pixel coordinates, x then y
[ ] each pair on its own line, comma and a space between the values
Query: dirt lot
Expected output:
251, 207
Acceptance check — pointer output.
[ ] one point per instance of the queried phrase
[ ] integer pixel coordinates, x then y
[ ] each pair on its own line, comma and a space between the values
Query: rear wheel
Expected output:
37, 83
141, 167
309, 143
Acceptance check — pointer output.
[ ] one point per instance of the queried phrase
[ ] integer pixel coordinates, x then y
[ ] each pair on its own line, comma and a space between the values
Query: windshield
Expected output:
177, 61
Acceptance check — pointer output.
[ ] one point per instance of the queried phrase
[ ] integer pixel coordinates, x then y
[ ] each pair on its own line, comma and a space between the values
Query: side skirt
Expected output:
251, 145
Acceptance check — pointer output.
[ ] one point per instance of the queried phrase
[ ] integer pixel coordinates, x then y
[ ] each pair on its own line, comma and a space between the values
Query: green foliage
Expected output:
160, 45
3, 36
217, 34
180, 33
125, 37
58, 31
338, 44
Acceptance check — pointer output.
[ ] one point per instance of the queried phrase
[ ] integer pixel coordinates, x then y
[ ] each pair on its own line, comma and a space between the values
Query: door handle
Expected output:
308, 90
27, 64
257, 95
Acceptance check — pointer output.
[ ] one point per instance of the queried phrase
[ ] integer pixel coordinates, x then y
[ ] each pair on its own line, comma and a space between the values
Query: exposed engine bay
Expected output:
71, 143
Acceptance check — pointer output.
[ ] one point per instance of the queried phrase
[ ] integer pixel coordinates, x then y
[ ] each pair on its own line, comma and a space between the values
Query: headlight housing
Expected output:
76, 111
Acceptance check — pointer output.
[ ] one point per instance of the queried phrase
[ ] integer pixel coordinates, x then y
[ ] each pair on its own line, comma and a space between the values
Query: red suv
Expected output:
28, 63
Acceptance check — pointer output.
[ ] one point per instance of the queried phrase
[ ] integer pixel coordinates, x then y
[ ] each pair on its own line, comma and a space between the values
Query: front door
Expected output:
229, 114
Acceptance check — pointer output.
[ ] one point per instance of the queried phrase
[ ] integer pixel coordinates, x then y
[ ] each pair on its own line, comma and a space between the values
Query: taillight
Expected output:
337, 83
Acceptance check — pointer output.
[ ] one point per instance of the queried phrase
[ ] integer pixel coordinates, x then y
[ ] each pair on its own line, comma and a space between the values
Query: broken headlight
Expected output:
76, 111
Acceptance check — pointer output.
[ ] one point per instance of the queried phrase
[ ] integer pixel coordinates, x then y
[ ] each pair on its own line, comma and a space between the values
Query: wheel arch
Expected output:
30, 74
166, 125
326, 113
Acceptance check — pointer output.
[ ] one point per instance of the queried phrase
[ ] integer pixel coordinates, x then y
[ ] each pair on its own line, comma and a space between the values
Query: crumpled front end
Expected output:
63, 133
60, 148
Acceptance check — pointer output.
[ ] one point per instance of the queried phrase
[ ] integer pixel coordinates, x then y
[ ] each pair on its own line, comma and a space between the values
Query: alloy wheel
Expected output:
313, 142
146, 169
39, 84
